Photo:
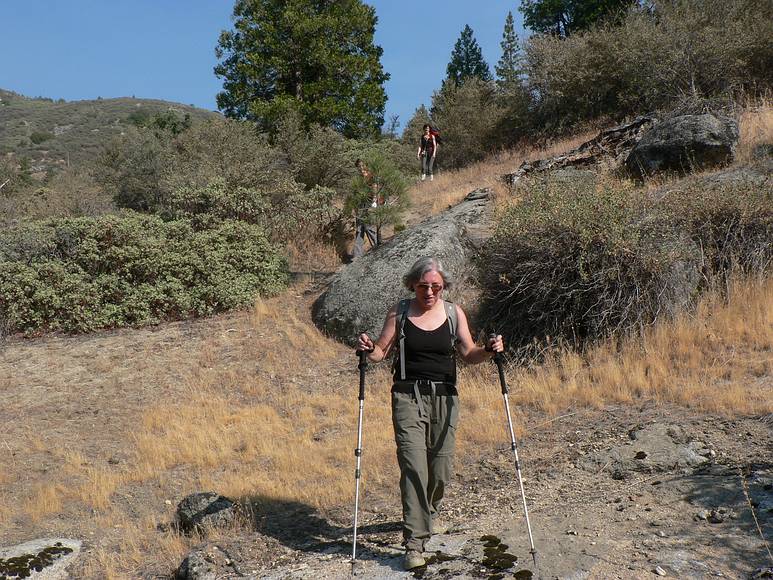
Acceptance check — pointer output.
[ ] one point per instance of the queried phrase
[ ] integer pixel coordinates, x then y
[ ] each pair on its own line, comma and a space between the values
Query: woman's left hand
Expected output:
495, 344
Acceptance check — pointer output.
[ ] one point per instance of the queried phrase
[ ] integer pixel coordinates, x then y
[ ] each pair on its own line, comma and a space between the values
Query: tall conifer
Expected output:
467, 60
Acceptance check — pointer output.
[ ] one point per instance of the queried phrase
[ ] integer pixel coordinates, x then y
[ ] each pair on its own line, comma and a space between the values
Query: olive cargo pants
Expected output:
425, 433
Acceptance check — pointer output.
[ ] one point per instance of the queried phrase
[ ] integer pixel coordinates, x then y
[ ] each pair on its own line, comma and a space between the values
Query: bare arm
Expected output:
434, 148
380, 349
466, 347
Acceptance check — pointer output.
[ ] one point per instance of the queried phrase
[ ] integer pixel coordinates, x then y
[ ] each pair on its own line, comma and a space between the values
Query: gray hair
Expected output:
421, 267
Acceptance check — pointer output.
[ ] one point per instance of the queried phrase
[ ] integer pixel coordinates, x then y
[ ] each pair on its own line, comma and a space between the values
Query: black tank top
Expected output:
428, 353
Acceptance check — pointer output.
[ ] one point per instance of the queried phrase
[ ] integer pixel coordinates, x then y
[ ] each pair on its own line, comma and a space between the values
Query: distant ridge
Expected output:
52, 133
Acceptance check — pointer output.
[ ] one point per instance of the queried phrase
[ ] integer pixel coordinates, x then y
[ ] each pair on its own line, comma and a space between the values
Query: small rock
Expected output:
702, 515
659, 571
717, 516
206, 509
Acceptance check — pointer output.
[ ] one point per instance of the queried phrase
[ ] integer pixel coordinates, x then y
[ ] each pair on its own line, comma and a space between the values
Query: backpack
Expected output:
402, 316
433, 131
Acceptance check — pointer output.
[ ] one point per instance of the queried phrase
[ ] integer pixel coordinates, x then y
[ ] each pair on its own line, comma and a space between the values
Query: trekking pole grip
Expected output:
499, 361
363, 355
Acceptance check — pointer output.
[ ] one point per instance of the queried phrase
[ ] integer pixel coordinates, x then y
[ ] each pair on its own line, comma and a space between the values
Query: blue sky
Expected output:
165, 49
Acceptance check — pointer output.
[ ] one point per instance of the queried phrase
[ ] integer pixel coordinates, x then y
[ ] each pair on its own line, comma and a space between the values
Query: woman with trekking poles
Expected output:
426, 333
427, 151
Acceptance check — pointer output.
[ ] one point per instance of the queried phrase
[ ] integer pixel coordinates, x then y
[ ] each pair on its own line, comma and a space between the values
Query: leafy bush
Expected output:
38, 137
575, 261
664, 53
729, 215
468, 116
283, 214
81, 274
131, 167
387, 184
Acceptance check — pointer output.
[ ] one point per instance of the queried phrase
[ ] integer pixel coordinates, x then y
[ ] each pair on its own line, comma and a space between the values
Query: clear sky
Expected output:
165, 49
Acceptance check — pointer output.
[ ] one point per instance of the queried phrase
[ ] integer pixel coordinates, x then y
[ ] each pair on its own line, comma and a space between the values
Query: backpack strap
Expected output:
453, 321
402, 316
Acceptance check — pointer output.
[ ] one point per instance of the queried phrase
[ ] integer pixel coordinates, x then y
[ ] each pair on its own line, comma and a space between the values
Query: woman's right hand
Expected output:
364, 343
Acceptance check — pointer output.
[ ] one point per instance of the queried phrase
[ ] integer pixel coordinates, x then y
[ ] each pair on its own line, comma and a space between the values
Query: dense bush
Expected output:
80, 274
131, 167
468, 116
574, 261
662, 54
729, 215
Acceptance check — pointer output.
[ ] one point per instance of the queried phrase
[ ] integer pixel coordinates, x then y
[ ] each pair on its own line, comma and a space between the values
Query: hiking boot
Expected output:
432, 178
422, 176
413, 559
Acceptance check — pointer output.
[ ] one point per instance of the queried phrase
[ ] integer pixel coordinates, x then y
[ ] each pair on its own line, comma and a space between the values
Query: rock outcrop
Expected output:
360, 294
683, 144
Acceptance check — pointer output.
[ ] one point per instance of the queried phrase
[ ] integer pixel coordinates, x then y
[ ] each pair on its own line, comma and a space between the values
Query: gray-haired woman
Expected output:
426, 333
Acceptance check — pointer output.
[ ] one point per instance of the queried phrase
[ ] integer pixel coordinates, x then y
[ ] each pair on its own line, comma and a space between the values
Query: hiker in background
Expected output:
426, 333
427, 151
363, 229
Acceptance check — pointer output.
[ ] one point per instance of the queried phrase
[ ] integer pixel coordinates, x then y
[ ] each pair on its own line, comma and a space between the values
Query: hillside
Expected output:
640, 458
52, 134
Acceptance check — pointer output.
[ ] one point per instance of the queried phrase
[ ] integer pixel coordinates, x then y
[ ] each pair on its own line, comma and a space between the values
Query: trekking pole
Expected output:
505, 391
358, 452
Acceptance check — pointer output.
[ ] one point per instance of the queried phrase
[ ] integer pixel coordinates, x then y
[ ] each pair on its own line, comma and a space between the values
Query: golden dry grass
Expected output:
755, 127
714, 361
254, 437
449, 188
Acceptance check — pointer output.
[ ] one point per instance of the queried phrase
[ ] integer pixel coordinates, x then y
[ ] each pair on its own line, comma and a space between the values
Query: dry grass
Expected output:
449, 188
311, 255
44, 499
715, 361
755, 127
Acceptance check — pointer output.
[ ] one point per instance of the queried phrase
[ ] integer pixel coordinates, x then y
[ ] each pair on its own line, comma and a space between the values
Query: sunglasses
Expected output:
434, 287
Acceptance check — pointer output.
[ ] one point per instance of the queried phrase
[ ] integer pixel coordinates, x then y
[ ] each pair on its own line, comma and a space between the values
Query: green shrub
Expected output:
283, 214
574, 261
38, 137
729, 215
81, 274
663, 54
468, 116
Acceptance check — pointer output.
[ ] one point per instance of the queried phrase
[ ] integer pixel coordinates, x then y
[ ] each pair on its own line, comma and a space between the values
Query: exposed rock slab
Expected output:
45, 558
360, 294
653, 448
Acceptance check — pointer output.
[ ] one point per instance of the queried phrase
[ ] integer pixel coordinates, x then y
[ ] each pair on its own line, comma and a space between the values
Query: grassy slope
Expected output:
79, 129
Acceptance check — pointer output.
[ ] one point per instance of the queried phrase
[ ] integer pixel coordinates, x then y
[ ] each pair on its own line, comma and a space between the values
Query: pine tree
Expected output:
315, 57
467, 60
508, 68
565, 17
